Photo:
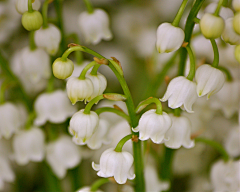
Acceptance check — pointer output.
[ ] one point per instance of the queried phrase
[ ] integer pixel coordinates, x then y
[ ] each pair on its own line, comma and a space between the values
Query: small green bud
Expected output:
237, 53
211, 26
236, 23
32, 21
62, 69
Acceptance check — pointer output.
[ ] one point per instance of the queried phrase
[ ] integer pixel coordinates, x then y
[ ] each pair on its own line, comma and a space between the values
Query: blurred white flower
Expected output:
54, 107
79, 89
6, 173
115, 164
232, 142
179, 133
169, 38
209, 80
229, 35
236, 5
225, 12
181, 92
22, 5
99, 84
28, 145
10, 120
225, 176
62, 154
48, 38
100, 136
154, 126
95, 26
227, 99
87, 189
82, 126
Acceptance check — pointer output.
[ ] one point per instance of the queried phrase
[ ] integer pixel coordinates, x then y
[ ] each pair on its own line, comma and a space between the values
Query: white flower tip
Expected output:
96, 167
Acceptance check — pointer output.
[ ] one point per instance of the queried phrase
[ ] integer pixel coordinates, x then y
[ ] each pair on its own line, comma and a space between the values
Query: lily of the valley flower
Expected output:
87, 189
115, 164
22, 5
29, 146
236, 5
62, 69
99, 84
169, 38
6, 173
181, 92
95, 26
48, 38
232, 142
209, 80
229, 35
82, 126
179, 133
62, 154
54, 107
79, 89
153, 125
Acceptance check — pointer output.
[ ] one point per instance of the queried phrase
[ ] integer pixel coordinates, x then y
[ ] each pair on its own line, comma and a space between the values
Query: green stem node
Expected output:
191, 73
122, 142
148, 101
216, 53
98, 184
178, 17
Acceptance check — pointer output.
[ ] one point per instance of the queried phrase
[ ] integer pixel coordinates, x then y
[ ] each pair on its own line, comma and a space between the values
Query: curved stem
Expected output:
179, 14
216, 146
89, 6
122, 142
216, 13
30, 9
98, 183
44, 14
32, 44
78, 54
85, 70
216, 53
191, 73
227, 73
95, 69
148, 101
112, 110
70, 50
91, 103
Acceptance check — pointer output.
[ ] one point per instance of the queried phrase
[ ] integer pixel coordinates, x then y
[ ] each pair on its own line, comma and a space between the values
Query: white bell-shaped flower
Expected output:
99, 84
62, 154
209, 80
54, 107
229, 35
79, 89
169, 38
10, 119
6, 173
87, 189
225, 176
154, 126
227, 99
22, 5
115, 164
28, 145
62, 69
95, 26
100, 136
181, 92
236, 5
82, 126
48, 38
179, 133
232, 142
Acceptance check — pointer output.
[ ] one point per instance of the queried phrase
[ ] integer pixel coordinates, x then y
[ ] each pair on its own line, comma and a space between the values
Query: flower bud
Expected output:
229, 35
32, 21
236, 5
169, 38
237, 53
211, 26
236, 23
62, 69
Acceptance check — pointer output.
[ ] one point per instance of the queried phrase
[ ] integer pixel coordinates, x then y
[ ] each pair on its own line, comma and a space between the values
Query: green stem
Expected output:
196, 20
215, 145
148, 101
191, 73
216, 13
2, 92
95, 69
112, 110
225, 3
44, 14
91, 103
122, 142
85, 70
31, 41
227, 73
98, 183
179, 14
50, 86
188, 34
30, 119
89, 6
177, 112
30, 9
78, 54
216, 53
70, 50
